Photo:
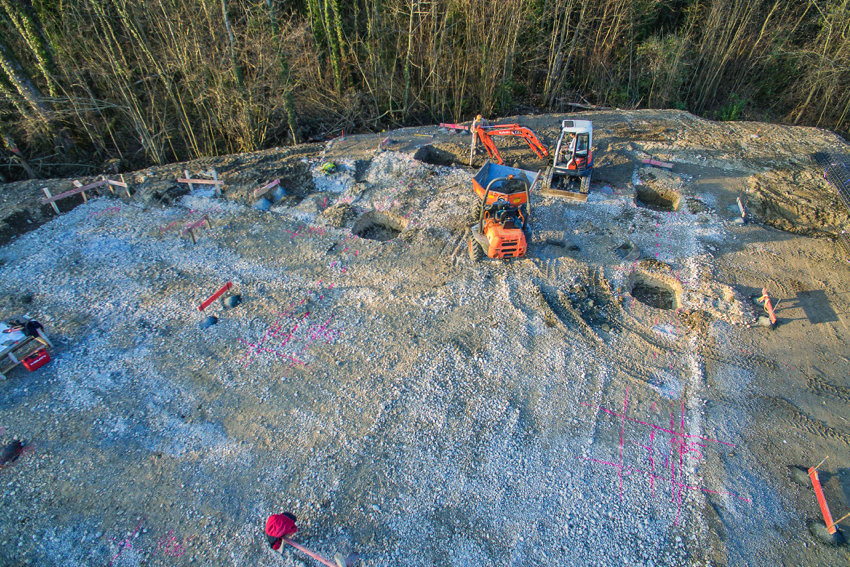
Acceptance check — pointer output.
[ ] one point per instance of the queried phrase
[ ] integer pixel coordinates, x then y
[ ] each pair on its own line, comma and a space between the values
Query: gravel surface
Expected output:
407, 404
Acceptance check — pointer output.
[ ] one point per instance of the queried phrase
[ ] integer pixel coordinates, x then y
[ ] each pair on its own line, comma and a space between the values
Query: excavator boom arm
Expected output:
484, 134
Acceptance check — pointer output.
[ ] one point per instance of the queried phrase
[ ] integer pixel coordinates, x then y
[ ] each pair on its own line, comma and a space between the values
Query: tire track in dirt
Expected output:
821, 387
794, 416
558, 310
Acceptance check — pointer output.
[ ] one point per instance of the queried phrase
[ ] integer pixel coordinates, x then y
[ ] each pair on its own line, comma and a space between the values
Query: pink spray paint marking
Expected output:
127, 543
105, 211
681, 445
170, 546
254, 349
622, 431
171, 225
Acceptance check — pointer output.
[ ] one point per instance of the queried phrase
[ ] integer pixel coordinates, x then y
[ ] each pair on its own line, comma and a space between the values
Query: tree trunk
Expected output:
237, 69
22, 82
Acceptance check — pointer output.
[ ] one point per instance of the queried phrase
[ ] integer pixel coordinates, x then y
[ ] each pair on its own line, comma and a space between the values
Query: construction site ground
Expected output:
418, 408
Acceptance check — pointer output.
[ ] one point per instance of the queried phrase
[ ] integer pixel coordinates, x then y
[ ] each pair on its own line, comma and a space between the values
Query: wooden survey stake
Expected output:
79, 188
193, 182
190, 230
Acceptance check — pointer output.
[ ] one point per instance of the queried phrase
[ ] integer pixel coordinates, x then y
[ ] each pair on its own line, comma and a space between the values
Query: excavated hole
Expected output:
434, 156
379, 226
658, 199
654, 292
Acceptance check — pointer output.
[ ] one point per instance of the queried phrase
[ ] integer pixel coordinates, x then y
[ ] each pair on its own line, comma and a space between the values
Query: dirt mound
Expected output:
797, 201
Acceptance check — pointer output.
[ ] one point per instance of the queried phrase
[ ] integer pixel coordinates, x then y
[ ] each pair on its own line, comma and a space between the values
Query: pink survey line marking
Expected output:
670, 431
294, 330
274, 330
681, 460
251, 353
651, 461
319, 331
680, 485
127, 542
622, 431
259, 349
671, 471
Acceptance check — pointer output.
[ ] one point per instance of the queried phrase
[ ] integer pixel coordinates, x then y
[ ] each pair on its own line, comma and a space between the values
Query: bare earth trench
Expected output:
418, 408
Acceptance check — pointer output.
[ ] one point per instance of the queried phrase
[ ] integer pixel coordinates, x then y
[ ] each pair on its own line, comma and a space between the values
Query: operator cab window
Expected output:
580, 143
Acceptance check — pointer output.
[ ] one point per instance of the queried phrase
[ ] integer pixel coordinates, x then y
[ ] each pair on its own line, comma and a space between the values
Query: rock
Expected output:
764, 321
263, 205
278, 194
209, 322
231, 301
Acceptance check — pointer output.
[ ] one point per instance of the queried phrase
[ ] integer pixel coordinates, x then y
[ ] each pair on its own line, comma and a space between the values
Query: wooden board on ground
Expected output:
657, 163
568, 194
265, 188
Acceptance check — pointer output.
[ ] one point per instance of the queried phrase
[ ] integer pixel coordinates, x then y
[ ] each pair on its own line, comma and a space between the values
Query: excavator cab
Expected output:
573, 160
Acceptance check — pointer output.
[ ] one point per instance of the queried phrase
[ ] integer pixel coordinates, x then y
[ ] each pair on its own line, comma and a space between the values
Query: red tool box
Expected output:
36, 360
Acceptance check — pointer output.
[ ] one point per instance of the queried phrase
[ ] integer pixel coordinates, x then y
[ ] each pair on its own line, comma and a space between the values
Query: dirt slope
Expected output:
566, 408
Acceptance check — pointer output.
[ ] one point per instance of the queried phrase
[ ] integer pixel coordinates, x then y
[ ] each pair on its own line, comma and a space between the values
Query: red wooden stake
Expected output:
215, 296
827, 516
768, 306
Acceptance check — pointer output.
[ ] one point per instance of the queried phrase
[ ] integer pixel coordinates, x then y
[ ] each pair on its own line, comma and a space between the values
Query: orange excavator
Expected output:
483, 131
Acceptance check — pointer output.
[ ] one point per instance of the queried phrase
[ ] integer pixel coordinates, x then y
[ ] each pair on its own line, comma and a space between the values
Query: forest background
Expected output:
95, 85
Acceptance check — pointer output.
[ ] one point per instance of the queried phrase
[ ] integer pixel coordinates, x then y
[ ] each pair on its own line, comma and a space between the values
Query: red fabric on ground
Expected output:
279, 525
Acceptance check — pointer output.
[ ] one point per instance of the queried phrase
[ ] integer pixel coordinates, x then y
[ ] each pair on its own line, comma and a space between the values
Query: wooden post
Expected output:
657, 163
741, 208
119, 184
186, 173
49, 196
43, 338
77, 184
197, 224
126, 187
